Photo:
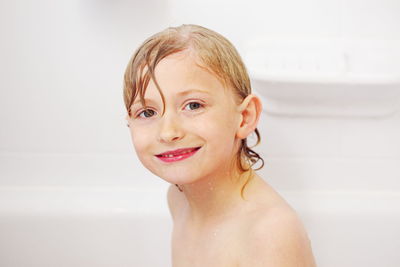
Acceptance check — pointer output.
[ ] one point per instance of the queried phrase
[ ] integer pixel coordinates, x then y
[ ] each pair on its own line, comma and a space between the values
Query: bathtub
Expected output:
83, 227
81, 224
81, 210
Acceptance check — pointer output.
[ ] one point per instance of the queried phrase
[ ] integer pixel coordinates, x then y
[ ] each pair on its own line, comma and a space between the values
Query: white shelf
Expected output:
325, 78
327, 98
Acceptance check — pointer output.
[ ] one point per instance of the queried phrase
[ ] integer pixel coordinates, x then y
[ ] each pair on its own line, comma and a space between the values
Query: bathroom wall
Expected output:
62, 114
366, 150
62, 69
63, 63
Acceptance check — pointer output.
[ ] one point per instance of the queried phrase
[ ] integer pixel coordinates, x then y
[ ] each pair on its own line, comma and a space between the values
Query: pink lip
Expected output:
178, 154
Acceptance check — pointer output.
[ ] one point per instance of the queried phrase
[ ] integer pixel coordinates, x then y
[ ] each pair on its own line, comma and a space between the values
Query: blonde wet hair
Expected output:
214, 51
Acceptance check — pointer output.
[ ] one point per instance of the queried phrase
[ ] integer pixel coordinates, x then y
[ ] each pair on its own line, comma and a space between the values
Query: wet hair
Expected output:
214, 51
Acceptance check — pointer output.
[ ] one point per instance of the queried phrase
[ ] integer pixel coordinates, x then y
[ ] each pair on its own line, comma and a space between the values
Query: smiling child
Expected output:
190, 111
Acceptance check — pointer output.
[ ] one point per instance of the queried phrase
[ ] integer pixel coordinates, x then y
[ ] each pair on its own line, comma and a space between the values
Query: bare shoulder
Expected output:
176, 200
278, 238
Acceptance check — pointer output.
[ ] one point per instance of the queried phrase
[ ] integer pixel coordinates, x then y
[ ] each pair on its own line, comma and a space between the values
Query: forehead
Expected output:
183, 71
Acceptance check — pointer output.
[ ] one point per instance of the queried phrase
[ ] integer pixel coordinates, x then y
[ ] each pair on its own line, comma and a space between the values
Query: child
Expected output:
190, 110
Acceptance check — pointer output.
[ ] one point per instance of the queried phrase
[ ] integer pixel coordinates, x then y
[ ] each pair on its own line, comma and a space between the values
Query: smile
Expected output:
177, 155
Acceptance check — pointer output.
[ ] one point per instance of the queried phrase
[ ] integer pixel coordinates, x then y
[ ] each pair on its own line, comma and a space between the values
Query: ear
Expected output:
250, 111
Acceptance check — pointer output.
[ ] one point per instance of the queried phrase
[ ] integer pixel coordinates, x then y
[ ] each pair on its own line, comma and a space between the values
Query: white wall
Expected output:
290, 19
61, 87
63, 61
347, 153
62, 69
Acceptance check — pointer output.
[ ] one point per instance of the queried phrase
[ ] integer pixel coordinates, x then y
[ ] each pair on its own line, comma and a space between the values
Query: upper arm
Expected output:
280, 242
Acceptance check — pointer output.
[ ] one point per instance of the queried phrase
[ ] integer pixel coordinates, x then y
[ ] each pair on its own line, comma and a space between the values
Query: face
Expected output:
201, 116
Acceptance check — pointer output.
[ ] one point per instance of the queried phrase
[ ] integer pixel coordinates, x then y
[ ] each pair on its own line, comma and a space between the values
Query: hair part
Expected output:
215, 53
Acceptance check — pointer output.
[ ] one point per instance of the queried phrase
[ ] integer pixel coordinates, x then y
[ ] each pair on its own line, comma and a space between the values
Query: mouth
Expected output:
176, 155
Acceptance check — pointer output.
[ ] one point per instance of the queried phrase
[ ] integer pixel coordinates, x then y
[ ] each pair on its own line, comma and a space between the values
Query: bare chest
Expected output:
215, 247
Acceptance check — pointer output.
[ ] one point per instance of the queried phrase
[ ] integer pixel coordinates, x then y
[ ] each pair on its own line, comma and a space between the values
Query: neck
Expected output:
214, 197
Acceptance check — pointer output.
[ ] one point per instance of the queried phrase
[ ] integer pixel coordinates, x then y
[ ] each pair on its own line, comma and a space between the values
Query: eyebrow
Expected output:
192, 91
183, 93
138, 101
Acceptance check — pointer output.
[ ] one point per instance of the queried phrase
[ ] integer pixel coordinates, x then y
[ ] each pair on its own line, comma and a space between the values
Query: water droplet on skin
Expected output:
215, 232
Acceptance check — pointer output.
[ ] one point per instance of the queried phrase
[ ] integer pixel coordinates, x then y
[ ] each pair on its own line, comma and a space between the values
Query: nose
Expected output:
170, 129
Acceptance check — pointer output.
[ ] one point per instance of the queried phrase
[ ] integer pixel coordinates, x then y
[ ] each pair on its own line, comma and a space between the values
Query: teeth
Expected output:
183, 152
169, 156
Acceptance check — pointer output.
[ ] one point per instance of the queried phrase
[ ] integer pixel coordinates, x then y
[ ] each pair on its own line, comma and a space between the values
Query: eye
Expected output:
147, 113
193, 105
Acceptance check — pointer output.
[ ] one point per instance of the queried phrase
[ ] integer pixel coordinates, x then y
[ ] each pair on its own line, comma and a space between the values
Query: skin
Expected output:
210, 210
218, 125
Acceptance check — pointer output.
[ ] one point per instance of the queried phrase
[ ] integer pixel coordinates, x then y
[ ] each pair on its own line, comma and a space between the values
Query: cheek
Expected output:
142, 144
217, 128
139, 140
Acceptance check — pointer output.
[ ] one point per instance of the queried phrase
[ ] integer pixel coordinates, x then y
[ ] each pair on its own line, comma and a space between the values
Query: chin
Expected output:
178, 176
174, 179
